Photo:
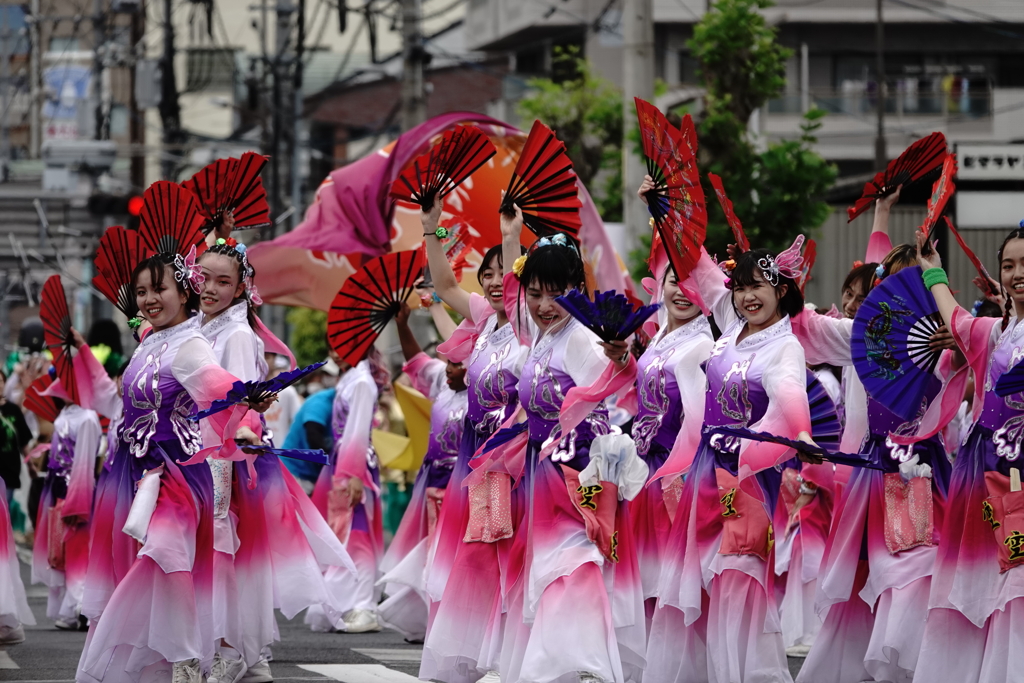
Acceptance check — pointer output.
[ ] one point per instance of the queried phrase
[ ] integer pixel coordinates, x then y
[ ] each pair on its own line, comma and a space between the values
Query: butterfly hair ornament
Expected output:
248, 272
787, 263
187, 271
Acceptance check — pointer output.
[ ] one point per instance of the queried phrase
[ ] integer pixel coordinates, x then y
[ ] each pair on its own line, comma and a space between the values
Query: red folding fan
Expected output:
917, 161
119, 251
43, 406
369, 299
232, 185
942, 190
990, 288
53, 309
543, 185
742, 243
677, 200
809, 257
170, 221
459, 153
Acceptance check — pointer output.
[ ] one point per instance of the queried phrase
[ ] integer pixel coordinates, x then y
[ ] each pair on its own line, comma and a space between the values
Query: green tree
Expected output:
585, 112
308, 338
777, 193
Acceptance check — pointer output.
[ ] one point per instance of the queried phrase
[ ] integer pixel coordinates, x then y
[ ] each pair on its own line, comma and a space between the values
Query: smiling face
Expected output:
490, 277
544, 310
677, 305
161, 302
456, 376
222, 285
853, 297
758, 302
1011, 272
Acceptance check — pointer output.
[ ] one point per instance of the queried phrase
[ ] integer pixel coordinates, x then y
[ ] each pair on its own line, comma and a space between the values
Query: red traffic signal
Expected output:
135, 205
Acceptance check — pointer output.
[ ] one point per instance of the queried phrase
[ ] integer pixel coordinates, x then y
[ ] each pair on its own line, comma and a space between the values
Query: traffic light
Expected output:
124, 208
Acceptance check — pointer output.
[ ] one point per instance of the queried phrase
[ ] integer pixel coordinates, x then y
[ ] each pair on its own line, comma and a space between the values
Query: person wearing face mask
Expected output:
151, 608
265, 528
561, 622
670, 411
404, 563
972, 632
716, 590
464, 580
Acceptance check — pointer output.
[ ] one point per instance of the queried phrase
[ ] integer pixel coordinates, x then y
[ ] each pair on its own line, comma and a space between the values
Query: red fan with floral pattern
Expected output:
460, 152
117, 254
742, 243
990, 288
368, 301
677, 201
232, 185
543, 185
170, 221
809, 257
44, 406
53, 310
917, 161
942, 190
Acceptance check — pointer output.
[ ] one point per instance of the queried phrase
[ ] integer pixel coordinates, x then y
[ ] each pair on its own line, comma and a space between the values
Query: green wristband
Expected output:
934, 276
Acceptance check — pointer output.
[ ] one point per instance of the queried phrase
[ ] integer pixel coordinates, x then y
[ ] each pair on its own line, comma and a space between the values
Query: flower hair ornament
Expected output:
556, 240
186, 270
251, 293
787, 263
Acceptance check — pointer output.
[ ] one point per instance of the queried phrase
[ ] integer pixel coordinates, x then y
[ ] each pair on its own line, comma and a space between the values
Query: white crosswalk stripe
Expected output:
6, 662
359, 673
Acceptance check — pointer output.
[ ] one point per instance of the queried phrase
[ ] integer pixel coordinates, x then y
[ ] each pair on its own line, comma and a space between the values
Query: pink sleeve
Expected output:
787, 414
272, 344
459, 346
976, 339
82, 483
352, 448
713, 291
98, 391
424, 373
692, 384
879, 246
825, 339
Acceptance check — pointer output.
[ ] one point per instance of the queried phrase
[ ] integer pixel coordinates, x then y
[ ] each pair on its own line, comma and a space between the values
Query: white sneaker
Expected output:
361, 621
798, 651
258, 672
10, 635
187, 671
491, 677
226, 670
66, 624
585, 677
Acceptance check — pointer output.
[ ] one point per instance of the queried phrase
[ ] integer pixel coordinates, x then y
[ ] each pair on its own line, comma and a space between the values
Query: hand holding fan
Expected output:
170, 221
851, 459
232, 185
990, 288
809, 257
257, 392
460, 152
890, 344
53, 309
677, 201
611, 316
369, 299
916, 161
942, 190
543, 185
43, 406
742, 243
119, 251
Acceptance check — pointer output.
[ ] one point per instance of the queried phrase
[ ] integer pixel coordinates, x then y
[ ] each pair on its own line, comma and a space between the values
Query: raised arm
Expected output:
410, 347
445, 284
879, 242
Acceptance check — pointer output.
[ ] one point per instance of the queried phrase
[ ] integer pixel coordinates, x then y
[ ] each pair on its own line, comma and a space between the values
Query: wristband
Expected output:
440, 233
934, 276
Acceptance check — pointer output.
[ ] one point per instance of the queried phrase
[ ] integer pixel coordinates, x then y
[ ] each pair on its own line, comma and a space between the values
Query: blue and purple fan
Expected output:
309, 455
890, 344
257, 392
826, 429
1011, 381
851, 459
611, 316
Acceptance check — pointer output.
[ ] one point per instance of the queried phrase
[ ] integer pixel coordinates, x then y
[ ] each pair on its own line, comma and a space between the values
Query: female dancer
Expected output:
158, 616
60, 554
719, 620
263, 558
465, 579
562, 623
973, 630
404, 564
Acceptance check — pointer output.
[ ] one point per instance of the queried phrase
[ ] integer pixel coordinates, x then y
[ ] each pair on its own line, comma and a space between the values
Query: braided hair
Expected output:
245, 273
1015, 234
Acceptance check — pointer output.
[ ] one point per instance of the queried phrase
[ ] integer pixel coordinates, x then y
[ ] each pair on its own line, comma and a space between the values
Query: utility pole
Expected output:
5, 92
414, 97
297, 116
35, 121
638, 81
880, 155
99, 48
136, 129
170, 112
284, 11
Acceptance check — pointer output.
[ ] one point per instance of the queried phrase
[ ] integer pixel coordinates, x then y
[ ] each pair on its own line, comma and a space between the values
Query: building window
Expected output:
61, 45
210, 68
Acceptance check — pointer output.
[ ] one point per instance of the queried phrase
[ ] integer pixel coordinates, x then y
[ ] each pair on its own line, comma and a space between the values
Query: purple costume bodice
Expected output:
156, 405
659, 403
447, 418
1004, 415
543, 387
491, 378
62, 445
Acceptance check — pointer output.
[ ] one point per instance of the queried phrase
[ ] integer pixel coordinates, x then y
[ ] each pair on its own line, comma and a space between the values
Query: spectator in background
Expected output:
281, 414
105, 342
15, 437
311, 428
